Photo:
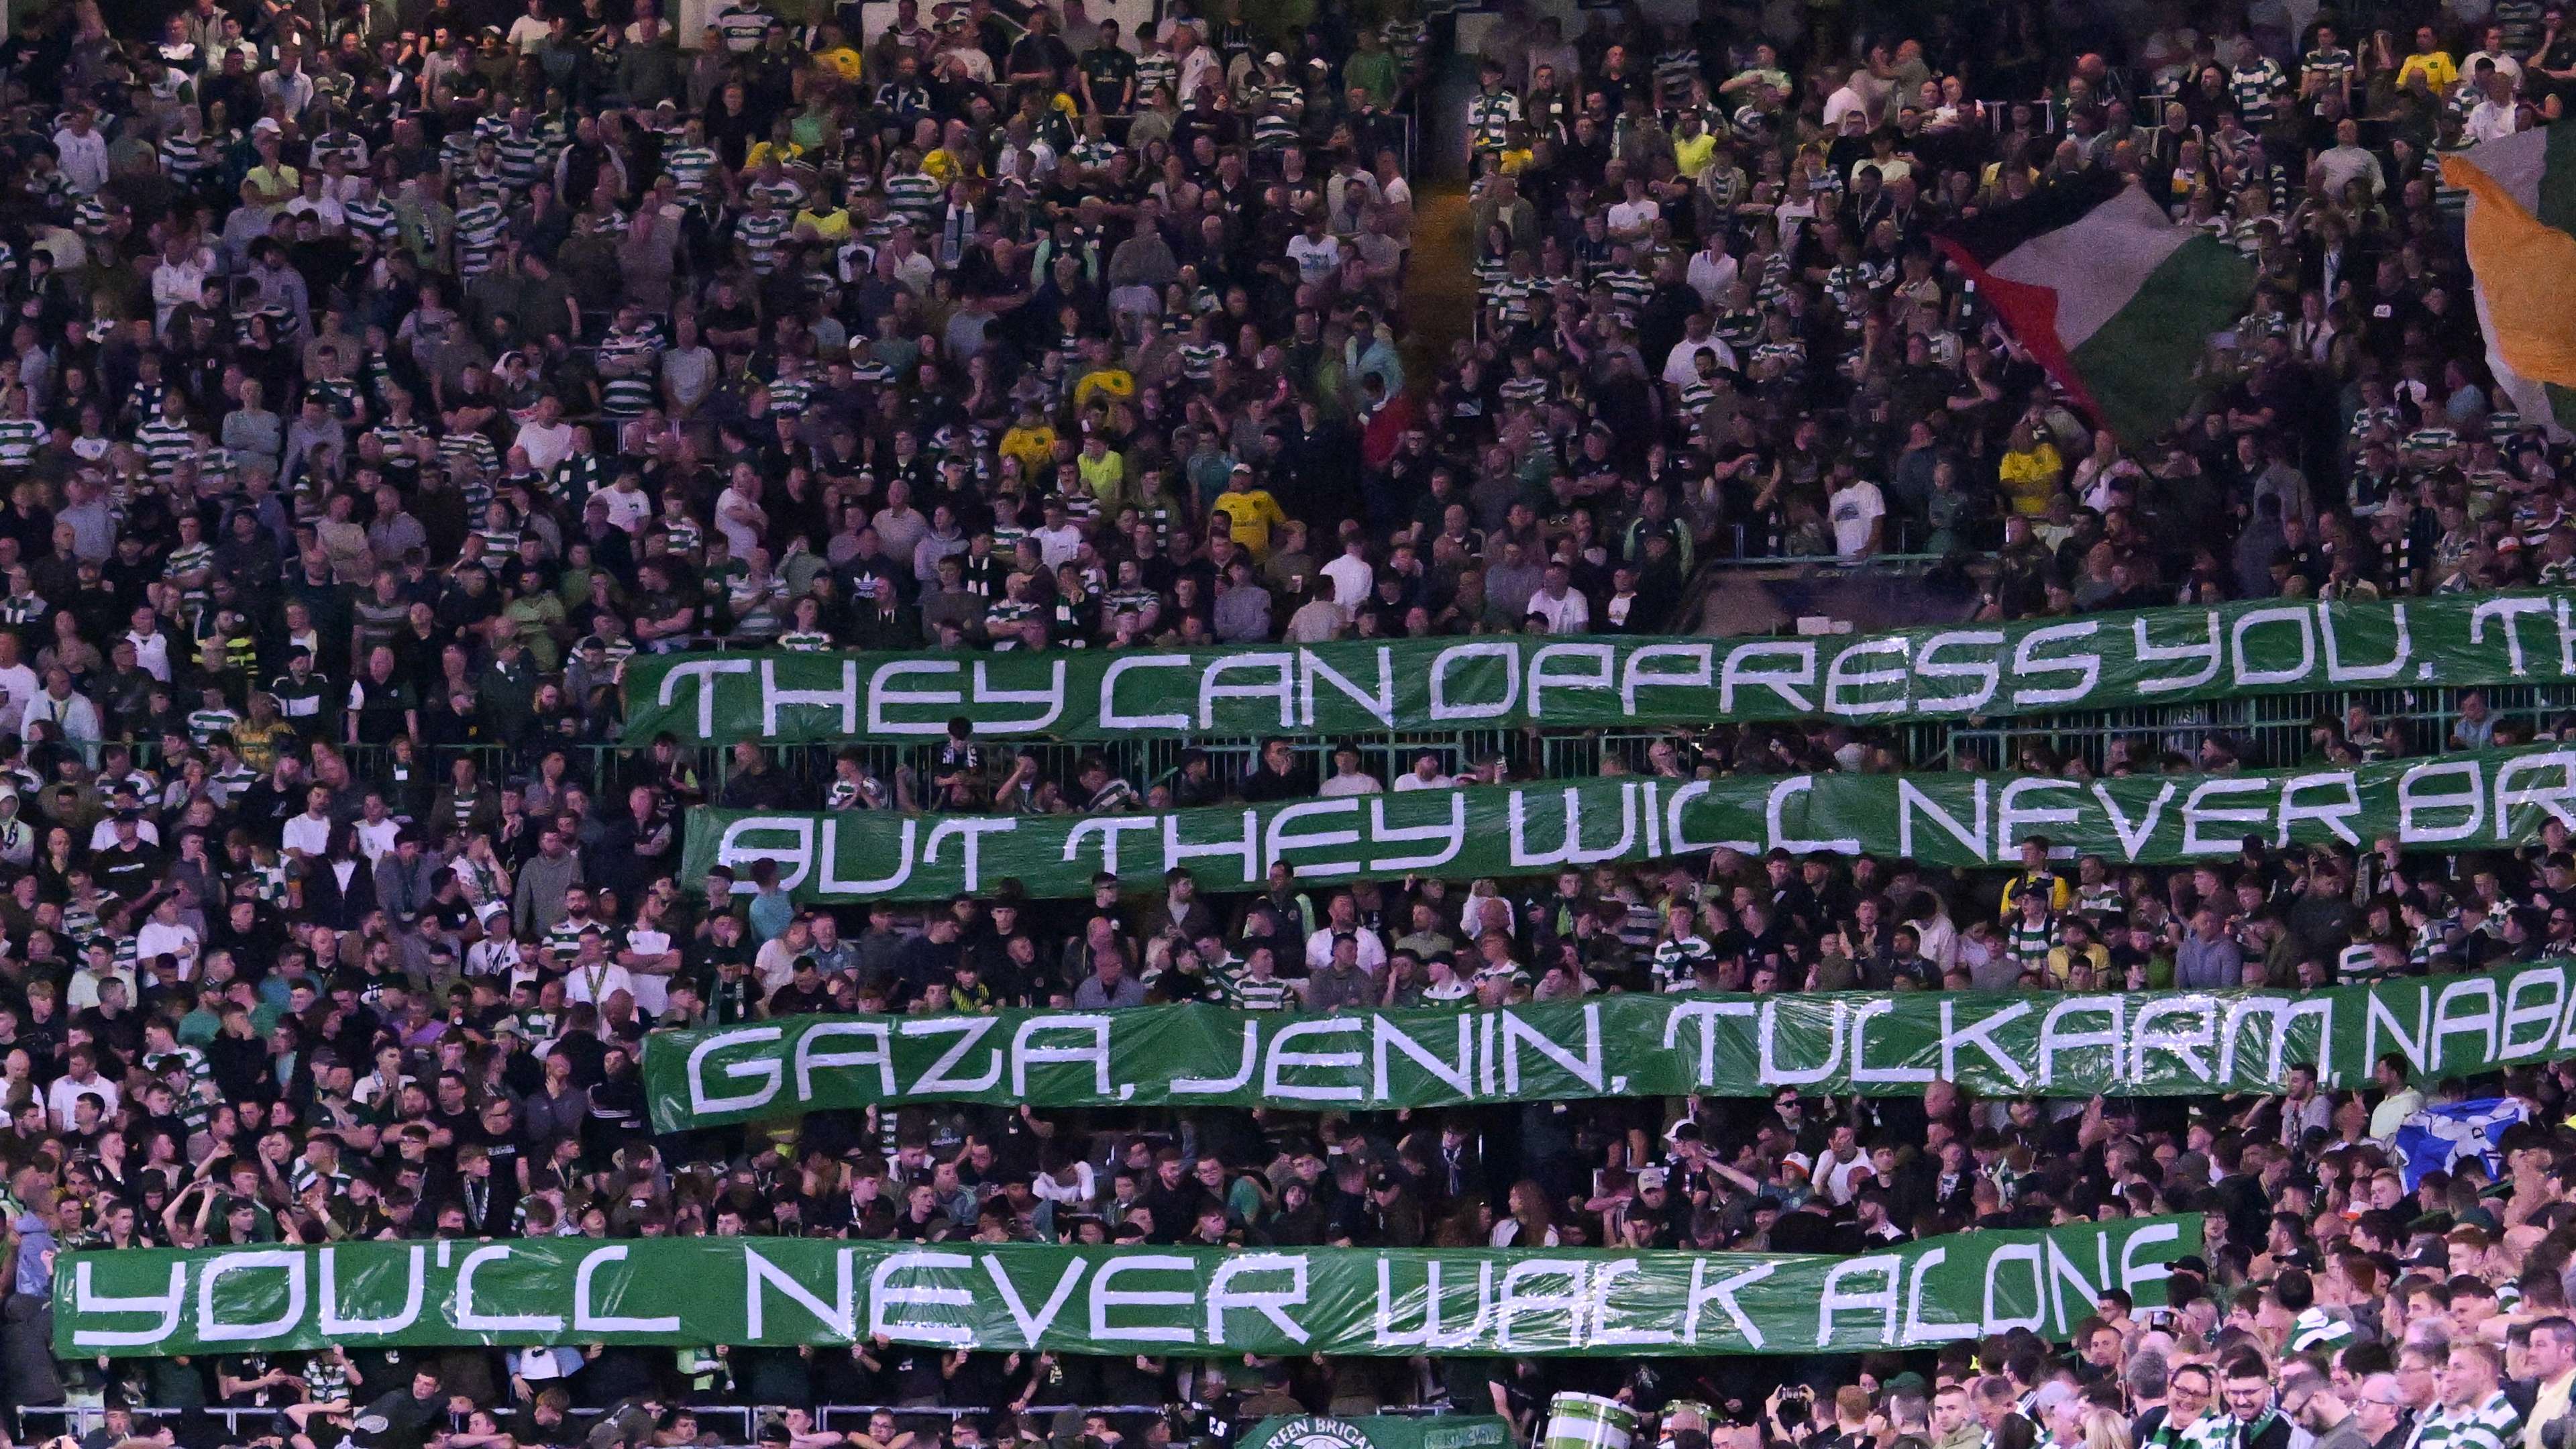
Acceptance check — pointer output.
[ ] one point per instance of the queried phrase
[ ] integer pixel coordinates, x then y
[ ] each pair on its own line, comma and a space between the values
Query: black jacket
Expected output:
328, 903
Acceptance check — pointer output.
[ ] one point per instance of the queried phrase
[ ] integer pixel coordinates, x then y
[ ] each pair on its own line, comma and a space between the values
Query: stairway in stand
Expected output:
1439, 281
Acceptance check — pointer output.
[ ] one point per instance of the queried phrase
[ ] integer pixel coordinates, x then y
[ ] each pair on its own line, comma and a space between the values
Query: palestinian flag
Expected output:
2108, 294
2522, 249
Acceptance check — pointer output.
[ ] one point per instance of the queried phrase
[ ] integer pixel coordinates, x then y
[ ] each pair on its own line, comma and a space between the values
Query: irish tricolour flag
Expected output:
2522, 249
2107, 293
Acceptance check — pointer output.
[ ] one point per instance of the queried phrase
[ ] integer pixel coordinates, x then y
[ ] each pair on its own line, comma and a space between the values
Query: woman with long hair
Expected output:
1532, 1219
339, 889
1469, 1225
2104, 1428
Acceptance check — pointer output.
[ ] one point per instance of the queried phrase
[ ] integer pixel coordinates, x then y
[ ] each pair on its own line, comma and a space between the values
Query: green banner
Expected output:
1380, 1431
2103, 661
788, 1292
2453, 802
2073, 1044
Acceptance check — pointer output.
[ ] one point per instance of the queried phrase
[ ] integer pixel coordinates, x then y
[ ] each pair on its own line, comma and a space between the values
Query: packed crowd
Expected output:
1734, 264
379, 383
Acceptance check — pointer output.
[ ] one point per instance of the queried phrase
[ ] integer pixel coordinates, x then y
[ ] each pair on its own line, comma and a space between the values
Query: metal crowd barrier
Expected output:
2267, 730
79, 1419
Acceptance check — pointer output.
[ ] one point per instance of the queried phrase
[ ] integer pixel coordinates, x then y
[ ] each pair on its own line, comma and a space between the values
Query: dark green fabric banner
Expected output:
2450, 802
2073, 1044
2102, 661
1380, 1431
786, 1292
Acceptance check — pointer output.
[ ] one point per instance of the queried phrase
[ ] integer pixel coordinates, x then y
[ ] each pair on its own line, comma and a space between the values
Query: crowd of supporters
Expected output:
379, 379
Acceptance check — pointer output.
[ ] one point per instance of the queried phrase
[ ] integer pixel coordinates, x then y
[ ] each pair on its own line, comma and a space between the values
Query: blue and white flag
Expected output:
2435, 1138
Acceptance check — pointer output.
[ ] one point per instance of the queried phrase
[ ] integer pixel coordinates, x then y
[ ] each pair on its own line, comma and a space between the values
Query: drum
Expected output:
1673, 1410
1588, 1421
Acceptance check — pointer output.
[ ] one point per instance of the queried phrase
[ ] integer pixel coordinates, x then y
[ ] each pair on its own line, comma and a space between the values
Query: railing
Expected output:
1148, 762
1861, 563
79, 1419
2265, 730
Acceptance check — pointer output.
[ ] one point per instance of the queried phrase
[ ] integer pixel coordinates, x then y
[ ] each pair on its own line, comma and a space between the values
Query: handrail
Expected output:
2266, 730
80, 1419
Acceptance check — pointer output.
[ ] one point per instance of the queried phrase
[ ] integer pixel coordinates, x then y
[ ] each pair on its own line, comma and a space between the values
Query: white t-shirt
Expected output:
151, 654
1076, 1194
1058, 546
1409, 780
307, 834
1316, 257
324, 209
774, 966
1711, 274
498, 956
2506, 66
1352, 578
595, 984
1569, 615
628, 509
547, 446
1627, 216
82, 993
1319, 950
1854, 509
652, 992
156, 940
1793, 217
1681, 365
544, 1365
83, 163
103, 834
2491, 122
18, 684
65, 1093
1844, 1178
